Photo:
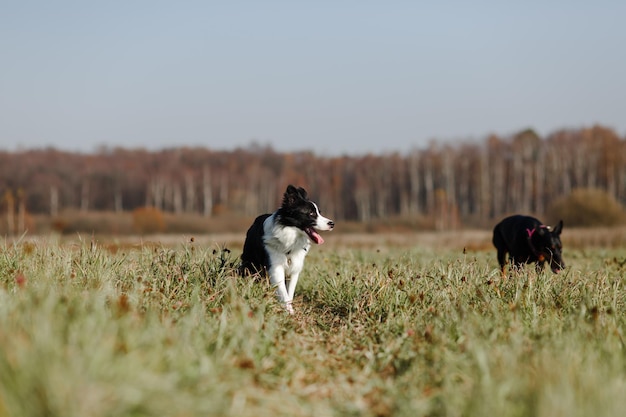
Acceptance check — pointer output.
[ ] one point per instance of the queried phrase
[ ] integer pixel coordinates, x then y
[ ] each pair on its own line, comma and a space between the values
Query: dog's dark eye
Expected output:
312, 214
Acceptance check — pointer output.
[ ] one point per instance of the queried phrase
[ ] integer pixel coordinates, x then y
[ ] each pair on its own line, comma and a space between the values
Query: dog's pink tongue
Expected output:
315, 237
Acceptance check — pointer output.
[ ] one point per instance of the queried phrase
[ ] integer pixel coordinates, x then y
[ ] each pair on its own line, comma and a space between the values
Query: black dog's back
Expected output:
255, 258
510, 236
527, 240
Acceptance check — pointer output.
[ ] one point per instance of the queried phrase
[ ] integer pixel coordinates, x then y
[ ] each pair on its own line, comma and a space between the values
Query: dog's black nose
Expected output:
331, 223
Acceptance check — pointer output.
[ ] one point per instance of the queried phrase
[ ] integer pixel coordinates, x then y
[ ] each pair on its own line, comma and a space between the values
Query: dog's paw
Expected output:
289, 308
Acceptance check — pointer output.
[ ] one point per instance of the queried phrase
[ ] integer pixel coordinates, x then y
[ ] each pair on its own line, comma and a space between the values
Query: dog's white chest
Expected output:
284, 238
286, 246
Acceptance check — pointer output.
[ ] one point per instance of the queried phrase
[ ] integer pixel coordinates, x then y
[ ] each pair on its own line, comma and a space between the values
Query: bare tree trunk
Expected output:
190, 193
338, 208
177, 198
382, 191
117, 199
10, 201
516, 201
612, 176
592, 169
414, 183
207, 191
429, 184
268, 197
251, 201
527, 180
483, 208
441, 210
464, 181
540, 177
84, 196
450, 192
149, 197
54, 200
566, 181
21, 212
578, 166
620, 194
223, 191
158, 193
405, 201
362, 197
498, 202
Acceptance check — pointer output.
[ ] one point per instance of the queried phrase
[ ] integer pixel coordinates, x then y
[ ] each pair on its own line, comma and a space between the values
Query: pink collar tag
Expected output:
532, 231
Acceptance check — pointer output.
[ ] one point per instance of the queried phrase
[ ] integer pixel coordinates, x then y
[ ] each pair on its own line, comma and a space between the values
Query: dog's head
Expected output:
298, 211
547, 244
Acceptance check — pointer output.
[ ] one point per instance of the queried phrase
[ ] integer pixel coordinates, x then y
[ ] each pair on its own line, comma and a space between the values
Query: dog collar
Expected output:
532, 231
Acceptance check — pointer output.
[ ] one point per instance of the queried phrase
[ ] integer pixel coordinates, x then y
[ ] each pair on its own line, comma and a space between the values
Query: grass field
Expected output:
384, 326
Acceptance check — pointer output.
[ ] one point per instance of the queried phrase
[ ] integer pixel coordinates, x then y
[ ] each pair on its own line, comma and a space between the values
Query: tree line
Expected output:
451, 183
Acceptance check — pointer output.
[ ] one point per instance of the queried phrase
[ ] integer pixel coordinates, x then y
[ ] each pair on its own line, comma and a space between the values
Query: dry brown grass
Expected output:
387, 324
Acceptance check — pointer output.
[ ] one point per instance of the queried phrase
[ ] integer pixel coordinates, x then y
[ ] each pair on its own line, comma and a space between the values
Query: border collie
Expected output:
277, 243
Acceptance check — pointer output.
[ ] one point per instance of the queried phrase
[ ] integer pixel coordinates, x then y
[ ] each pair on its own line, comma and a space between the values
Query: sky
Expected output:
332, 77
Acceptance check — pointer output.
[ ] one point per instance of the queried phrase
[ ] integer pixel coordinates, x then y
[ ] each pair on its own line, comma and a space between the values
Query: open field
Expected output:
386, 325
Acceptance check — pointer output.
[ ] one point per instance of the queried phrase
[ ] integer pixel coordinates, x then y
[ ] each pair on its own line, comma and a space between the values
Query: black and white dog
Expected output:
527, 240
277, 243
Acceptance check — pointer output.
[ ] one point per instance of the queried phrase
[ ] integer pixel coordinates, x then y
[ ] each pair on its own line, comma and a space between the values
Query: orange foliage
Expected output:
147, 220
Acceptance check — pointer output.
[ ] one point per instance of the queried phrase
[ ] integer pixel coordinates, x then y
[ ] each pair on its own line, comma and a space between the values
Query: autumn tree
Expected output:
451, 183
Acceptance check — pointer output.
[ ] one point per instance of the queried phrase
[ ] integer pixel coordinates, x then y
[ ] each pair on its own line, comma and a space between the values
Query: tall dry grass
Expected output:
388, 327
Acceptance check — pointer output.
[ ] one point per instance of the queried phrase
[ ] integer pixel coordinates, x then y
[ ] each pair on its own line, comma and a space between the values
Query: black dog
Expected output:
527, 240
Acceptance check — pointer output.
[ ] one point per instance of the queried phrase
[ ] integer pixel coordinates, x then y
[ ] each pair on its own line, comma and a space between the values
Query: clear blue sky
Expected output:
328, 76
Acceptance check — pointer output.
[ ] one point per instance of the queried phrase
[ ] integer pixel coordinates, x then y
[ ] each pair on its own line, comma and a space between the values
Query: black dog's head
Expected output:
298, 211
547, 243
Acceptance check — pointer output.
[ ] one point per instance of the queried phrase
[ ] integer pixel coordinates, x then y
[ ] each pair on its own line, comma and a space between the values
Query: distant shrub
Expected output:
199, 224
59, 224
74, 221
16, 229
186, 223
588, 207
147, 220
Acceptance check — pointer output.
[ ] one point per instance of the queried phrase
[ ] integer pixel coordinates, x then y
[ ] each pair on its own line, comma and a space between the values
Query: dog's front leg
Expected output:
293, 281
277, 279
296, 263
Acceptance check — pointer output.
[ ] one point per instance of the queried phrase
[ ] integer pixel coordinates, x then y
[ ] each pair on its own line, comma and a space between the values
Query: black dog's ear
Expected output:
302, 192
558, 228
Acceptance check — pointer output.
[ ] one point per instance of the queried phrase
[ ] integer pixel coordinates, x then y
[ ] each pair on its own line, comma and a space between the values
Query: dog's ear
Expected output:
558, 228
541, 230
293, 194
290, 195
